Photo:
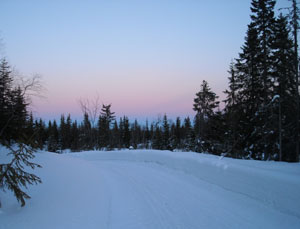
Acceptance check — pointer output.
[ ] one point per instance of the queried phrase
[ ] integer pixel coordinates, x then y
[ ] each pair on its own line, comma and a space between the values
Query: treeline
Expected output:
260, 119
110, 133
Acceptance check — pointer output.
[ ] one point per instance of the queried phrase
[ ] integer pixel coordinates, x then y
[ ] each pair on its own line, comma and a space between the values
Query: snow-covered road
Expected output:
148, 195
158, 189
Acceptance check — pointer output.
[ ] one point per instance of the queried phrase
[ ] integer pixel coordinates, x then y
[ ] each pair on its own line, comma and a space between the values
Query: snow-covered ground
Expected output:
156, 189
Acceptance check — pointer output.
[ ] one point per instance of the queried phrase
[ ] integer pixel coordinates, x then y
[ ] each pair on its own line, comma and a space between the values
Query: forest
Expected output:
260, 118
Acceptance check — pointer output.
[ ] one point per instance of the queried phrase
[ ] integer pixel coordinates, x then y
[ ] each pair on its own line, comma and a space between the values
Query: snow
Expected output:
156, 189
275, 97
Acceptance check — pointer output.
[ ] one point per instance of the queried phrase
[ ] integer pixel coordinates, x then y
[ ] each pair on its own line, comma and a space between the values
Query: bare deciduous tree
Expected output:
91, 107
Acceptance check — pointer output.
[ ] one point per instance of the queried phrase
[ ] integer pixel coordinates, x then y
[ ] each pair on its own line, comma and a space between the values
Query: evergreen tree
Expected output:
53, 140
250, 90
204, 104
74, 139
13, 175
15, 128
284, 101
189, 136
259, 85
177, 134
126, 133
166, 134
263, 21
5, 100
115, 136
147, 135
86, 134
31, 126
40, 133
157, 142
105, 119
62, 133
232, 114
135, 134
68, 126
295, 25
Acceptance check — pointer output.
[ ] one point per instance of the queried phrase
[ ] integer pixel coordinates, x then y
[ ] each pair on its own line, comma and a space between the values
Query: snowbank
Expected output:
94, 189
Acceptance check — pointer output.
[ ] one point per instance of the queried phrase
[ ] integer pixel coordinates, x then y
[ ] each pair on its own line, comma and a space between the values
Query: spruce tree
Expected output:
284, 101
295, 24
157, 142
105, 119
16, 134
14, 176
178, 134
126, 132
189, 136
147, 135
204, 104
6, 115
86, 133
74, 139
263, 21
115, 136
232, 115
53, 139
166, 134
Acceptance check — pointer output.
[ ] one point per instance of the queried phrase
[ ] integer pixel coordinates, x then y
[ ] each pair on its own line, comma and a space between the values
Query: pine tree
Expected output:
295, 24
53, 140
157, 142
105, 119
204, 104
147, 135
263, 21
62, 133
135, 134
284, 101
249, 98
5, 100
14, 176
86, 133
232, 114
31, 126
166, 134
68, 126
74, 139
15, 128
115, 136
177, 134
189, 136
40, 133
126, 132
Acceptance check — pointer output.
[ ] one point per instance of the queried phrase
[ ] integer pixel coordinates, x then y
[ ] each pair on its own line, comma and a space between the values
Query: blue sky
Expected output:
144, 57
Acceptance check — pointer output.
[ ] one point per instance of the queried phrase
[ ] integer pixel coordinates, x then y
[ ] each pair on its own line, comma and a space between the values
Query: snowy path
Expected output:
157, 190
146, 195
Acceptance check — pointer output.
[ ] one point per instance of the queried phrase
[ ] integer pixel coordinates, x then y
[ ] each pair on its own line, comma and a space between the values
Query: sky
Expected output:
146, 58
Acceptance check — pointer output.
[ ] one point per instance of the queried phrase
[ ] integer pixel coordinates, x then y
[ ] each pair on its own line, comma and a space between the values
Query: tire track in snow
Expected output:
160, 212
141, 199
139, 205
162, 205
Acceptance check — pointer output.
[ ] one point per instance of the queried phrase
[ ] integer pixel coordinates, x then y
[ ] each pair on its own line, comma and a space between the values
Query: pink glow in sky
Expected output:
144, 57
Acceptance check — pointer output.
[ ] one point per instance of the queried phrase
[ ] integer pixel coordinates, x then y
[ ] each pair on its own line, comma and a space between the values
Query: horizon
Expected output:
145, 58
